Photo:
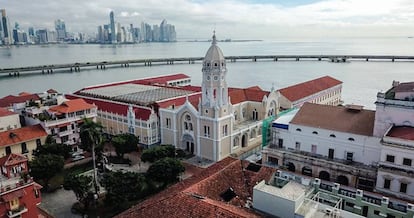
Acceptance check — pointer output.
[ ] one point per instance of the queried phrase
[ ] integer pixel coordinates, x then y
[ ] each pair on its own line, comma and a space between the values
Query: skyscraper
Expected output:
7, 35
60, 30
113, 34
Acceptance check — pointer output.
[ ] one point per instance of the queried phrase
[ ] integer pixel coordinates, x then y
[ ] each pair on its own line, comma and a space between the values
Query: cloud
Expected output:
236, 19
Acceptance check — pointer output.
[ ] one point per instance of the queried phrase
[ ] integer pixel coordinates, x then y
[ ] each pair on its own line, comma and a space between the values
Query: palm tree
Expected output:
91, 136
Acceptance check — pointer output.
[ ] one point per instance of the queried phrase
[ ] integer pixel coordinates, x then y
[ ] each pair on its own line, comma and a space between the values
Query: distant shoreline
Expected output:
228, 40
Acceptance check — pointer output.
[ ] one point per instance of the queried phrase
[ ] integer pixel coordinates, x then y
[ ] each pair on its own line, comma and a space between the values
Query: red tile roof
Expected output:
336, 118
164, 79
402, 132
142, 113
12, 159
71, 106
194, 100
11, 99
238, 95
4, 112
146, 81
17, 136
302, 90
199, 195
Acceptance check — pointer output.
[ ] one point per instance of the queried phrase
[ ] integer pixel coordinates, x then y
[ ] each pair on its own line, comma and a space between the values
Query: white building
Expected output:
333, 143
394, 122
8, 120
218, 121
323, 90
63, 121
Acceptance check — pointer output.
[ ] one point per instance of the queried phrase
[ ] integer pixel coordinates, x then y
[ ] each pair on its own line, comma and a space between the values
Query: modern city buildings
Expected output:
6, 34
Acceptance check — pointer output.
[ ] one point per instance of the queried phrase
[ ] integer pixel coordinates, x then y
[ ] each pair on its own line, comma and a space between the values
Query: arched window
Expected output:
332, 135
351, 139
314, 132
299, 129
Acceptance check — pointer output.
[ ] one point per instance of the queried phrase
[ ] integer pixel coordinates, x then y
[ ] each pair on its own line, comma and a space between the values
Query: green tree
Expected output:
81, 185
44, 167
125, 143
91, 138
165, 170
122, 188
157, 153
54, 148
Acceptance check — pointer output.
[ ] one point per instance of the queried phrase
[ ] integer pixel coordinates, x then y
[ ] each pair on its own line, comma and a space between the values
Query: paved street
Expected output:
59, 203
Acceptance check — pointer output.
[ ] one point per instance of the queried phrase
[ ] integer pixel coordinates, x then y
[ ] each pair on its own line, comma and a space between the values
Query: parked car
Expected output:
78, 157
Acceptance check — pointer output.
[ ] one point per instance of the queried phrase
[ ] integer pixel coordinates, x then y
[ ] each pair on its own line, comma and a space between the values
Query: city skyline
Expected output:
268, 19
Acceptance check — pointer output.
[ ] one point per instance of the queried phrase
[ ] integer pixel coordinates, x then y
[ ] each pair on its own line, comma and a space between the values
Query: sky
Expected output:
236, 19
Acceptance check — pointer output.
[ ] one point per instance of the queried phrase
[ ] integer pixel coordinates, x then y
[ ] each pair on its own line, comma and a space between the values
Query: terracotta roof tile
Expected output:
336, 118
301, 90
4, 112
17, 136
199, 195
238, 95
145, 81
402, 132
11, 99
51, 91
71, 106
115, 107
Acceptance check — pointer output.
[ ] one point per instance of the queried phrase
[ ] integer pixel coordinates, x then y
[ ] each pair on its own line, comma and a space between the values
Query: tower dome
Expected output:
214, 53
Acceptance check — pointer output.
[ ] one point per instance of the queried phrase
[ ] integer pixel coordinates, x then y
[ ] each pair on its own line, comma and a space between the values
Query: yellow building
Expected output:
22, 140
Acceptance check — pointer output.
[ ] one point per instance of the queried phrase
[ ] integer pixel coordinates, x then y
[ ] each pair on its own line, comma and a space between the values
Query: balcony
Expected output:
355, 168
66, 132
394, 168
16, 212
50, 123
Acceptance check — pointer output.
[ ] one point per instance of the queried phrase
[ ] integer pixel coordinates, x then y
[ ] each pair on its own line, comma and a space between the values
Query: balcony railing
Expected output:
11, 184
65, 133
50, 123
17, 212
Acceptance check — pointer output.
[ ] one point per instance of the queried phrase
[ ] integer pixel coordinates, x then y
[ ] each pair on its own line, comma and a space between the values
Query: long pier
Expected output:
76, 67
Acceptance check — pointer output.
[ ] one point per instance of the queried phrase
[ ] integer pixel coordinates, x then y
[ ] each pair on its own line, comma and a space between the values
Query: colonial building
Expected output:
22, 140
394, 122
20, 195
323, 90
333, 143
211, 121
64, 120
220, 120
17, 103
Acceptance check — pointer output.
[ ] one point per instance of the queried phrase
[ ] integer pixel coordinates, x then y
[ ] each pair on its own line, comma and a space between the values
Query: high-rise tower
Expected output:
60, 29
113, 34
7, 35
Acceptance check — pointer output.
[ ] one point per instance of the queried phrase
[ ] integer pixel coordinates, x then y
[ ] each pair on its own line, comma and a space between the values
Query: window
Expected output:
351, 139
206, 131
314, 132
8, 150
331, 153
349, 156
168, 122
24, 148
377, 212
297, 146
403, 187
280, 143
407, 161
225, 132
314, 148
38, 143
273, 160
387, 183
332, 135
390, 158
299, 130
